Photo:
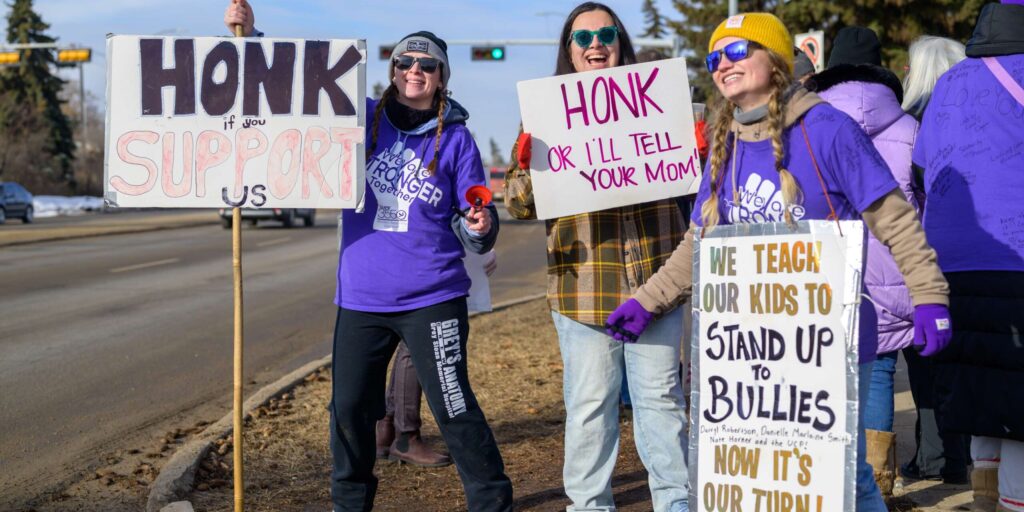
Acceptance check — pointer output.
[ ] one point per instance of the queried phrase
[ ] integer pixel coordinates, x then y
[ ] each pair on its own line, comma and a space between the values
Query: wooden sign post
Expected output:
211, 122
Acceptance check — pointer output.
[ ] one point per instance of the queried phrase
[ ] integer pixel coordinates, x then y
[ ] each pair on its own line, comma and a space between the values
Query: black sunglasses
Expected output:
427, 64
605, 36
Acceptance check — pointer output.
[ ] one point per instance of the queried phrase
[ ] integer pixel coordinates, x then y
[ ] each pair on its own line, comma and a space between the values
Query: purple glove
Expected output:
628, 321
933, 329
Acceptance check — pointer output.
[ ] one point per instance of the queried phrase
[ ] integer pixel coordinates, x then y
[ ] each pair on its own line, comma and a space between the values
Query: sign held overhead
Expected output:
215, 122
610, 138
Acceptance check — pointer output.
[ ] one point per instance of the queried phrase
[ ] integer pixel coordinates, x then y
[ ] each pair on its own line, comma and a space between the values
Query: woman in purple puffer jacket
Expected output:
856, 84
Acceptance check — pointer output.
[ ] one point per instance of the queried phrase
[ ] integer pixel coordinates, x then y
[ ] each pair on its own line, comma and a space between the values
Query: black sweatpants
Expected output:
436, 337
938, 452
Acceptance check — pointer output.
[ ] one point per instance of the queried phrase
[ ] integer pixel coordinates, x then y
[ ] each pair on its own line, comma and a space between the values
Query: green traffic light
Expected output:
497, 54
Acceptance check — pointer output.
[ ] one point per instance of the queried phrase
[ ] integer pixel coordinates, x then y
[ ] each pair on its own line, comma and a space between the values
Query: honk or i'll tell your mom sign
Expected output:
609, 138
222, 122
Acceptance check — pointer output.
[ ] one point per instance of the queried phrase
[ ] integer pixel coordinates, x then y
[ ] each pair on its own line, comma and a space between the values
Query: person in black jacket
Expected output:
971, 152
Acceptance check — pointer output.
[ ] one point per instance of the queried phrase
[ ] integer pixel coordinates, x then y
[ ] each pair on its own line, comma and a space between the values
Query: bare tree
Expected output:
23, 144
88, 164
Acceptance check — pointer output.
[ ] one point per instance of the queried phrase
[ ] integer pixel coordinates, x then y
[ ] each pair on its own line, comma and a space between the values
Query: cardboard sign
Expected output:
813, 44
221, 122
609, 138
775, 355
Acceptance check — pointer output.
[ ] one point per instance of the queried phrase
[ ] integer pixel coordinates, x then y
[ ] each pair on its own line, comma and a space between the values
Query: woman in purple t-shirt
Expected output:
401, 277
779, 153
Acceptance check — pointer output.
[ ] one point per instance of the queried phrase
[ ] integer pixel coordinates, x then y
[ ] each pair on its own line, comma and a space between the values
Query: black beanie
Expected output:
855, 45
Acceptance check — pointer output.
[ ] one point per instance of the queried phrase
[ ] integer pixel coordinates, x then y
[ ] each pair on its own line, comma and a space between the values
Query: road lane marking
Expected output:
144, 265
268, 243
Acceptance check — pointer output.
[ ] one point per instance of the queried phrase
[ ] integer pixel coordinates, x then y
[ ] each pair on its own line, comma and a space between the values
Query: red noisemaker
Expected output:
478, 195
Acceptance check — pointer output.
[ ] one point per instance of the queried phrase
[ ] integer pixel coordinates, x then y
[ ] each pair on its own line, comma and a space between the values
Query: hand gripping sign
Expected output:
774, 360
216, 122
609, 138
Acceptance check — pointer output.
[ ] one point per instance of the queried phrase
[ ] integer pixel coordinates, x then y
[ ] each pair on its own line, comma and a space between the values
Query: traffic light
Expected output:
74, 55
385, 52
10, 57
488, 53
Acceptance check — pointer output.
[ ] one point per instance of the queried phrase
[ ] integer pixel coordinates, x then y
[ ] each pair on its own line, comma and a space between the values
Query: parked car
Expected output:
287, 216
15, 203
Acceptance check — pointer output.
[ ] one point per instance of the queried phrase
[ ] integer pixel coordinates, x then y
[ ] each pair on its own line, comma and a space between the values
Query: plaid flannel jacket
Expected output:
596, 261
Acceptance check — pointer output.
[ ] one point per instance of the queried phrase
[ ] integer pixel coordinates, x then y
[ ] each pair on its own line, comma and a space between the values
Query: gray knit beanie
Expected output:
425, 42
802, 64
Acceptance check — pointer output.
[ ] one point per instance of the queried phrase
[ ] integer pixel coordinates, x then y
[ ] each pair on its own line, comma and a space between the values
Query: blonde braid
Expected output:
720, 129
432, 168
791, 194
377, 111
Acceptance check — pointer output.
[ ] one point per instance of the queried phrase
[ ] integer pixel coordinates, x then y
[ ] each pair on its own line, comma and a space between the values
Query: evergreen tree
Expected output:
32, 84
655, 23
896, 23
497, 158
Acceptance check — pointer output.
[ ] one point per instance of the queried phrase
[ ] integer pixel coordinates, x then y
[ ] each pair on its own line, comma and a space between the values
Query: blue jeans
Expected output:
878, 411
869, 498
591, 385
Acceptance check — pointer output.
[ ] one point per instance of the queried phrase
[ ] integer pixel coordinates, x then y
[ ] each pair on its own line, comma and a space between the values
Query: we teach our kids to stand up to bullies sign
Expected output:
775, 355
608, 138
224, 122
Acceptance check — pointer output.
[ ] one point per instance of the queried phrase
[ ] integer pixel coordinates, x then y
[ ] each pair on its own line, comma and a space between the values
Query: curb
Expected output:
177, 476
97, 232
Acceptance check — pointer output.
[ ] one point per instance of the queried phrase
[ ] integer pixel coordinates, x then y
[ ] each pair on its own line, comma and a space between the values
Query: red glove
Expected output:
523, 150
702, 142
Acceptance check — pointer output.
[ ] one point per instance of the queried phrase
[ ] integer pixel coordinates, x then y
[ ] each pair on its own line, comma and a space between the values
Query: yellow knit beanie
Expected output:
760, 27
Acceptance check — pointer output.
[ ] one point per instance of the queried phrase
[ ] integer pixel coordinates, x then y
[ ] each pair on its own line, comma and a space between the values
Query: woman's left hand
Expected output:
478, 221
933, 329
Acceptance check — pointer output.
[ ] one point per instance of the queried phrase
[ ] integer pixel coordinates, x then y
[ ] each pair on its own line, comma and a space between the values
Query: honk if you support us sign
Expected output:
609, 138
222, 122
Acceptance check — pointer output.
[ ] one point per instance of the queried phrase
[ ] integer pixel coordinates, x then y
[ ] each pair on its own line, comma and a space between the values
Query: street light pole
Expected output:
81, 101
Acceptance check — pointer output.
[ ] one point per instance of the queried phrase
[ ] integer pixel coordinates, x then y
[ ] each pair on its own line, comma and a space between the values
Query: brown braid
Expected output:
441, 103
776, 124
390, 91
720, 130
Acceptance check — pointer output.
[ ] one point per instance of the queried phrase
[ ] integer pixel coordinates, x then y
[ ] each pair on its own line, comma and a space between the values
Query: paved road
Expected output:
109, 341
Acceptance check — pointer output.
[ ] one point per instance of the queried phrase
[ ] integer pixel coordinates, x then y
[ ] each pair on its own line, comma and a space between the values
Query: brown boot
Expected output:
882, 457
410, 448
985, 484
385, 436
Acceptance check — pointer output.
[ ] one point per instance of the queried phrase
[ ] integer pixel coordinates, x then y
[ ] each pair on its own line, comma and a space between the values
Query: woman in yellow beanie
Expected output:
779, 153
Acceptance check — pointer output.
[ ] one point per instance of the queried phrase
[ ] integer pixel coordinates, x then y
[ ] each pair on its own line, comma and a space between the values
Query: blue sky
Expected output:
486, 89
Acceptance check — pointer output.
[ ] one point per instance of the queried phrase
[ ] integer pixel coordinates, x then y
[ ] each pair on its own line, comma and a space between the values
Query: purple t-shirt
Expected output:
971, 147
854, 174
400, 253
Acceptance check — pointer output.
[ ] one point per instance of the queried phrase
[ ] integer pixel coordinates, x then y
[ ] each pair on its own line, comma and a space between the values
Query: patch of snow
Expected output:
54, 206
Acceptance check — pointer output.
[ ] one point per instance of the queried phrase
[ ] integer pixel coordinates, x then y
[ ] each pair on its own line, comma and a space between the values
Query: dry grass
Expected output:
516, 373
517, 379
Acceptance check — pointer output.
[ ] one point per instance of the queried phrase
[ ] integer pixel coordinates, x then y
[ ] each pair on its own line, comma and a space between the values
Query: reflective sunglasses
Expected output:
427, 64
605, 36
735, 52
